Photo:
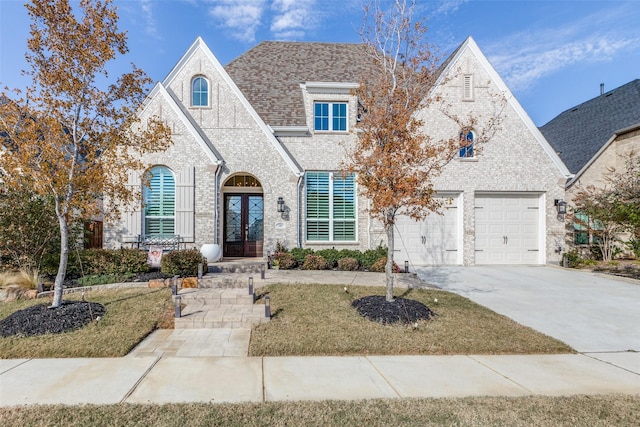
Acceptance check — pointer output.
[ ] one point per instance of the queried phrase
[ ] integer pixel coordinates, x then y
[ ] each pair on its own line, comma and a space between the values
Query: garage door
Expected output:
507, 229
433, 241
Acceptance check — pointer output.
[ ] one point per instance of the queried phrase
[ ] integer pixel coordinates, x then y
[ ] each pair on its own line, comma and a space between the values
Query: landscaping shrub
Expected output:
348, 264
284, 261
370, 256
25, 278
315, 262
330, 255
89, 262
380, 264
183, 263
300, 254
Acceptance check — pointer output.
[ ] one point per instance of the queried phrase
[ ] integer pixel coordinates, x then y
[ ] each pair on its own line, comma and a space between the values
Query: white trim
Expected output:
200, 44
159, 89
290, 130
470, 44
329, 87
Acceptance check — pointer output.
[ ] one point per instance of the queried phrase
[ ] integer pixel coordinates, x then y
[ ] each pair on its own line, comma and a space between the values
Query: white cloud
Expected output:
150, 27
528, 56
292, 18
242, 17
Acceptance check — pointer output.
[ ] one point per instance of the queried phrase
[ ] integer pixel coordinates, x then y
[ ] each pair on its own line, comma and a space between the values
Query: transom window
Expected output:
466, 144
242, 181
159, 203
331, 206
199, 92
330, 116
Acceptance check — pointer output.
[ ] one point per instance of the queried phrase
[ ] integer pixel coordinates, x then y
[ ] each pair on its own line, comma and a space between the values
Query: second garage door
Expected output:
507, 229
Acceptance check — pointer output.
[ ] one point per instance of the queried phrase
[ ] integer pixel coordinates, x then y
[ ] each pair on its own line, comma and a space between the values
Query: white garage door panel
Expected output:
507, 229
433, 241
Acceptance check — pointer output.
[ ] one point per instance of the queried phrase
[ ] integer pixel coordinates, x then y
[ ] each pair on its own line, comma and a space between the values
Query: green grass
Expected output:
131, 315
478, 411
319, 320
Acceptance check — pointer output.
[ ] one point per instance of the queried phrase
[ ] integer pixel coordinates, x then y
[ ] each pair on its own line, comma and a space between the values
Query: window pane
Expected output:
321, 116
317, 195
159, 200
344, 206
339, 117
581, 238
200, 92
344, 230
317, 230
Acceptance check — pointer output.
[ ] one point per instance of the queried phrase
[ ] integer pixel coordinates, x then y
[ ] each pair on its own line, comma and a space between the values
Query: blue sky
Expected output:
552, 54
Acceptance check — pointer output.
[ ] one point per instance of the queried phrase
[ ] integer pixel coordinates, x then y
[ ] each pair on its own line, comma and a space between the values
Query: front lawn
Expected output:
131, 314
319, 320
473, 411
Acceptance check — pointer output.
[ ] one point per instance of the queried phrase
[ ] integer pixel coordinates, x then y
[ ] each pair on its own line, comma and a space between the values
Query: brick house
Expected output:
593, 139
258, 143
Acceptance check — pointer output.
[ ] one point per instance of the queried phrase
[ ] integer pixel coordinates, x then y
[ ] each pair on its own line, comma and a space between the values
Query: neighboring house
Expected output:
593, 139
258, 145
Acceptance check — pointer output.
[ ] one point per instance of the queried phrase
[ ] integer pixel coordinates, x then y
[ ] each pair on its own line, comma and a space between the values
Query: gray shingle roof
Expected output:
269, 75
578, 133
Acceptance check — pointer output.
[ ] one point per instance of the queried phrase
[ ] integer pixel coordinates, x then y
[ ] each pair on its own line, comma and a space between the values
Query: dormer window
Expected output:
466, 144
200, 92
330, 116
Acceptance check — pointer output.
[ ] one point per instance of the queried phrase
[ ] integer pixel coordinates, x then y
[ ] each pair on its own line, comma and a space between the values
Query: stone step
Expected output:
241, 266
222, 316
216, 296
228, 280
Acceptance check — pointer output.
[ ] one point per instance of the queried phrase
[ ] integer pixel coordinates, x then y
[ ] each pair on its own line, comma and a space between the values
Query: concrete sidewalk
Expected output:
253, 379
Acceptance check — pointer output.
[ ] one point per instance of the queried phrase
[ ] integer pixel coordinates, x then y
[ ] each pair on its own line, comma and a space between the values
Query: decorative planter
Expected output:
211, 252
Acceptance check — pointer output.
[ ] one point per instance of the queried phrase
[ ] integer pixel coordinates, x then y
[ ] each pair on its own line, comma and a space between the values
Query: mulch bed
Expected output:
40, 319
378, 309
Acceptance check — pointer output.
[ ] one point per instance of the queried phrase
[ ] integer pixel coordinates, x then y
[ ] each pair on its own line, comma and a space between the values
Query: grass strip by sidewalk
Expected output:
612, 410
131, 315
319, 320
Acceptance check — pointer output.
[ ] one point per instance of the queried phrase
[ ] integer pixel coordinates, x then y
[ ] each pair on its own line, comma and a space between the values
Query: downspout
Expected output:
217, 202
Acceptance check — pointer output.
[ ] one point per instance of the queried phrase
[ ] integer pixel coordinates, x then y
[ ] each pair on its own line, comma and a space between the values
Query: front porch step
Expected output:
251, 265
229, 280
219, 308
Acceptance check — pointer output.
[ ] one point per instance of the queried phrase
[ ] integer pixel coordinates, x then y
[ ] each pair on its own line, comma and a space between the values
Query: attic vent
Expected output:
467, 88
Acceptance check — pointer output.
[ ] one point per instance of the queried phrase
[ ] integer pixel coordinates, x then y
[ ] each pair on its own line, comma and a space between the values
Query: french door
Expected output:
243, 225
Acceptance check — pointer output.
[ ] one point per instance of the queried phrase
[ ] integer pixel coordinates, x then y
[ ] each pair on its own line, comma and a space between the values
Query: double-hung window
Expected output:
331, 207
330, 116
159, 203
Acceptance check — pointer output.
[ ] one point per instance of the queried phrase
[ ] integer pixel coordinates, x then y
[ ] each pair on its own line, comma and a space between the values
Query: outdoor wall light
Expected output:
561, 206
250, 285
280, 204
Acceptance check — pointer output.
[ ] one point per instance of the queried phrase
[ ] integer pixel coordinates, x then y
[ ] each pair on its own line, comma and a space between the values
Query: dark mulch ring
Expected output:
40, 319
378, 309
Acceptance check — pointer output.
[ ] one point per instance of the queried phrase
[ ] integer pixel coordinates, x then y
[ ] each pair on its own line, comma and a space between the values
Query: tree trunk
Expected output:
62, 267
388, 269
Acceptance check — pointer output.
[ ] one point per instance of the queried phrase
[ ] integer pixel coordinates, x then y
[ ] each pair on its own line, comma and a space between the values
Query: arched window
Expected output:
199, 92
466, 144
160, 203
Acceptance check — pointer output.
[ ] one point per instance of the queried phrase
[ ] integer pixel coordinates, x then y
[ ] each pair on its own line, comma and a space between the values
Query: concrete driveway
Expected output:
588, 311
